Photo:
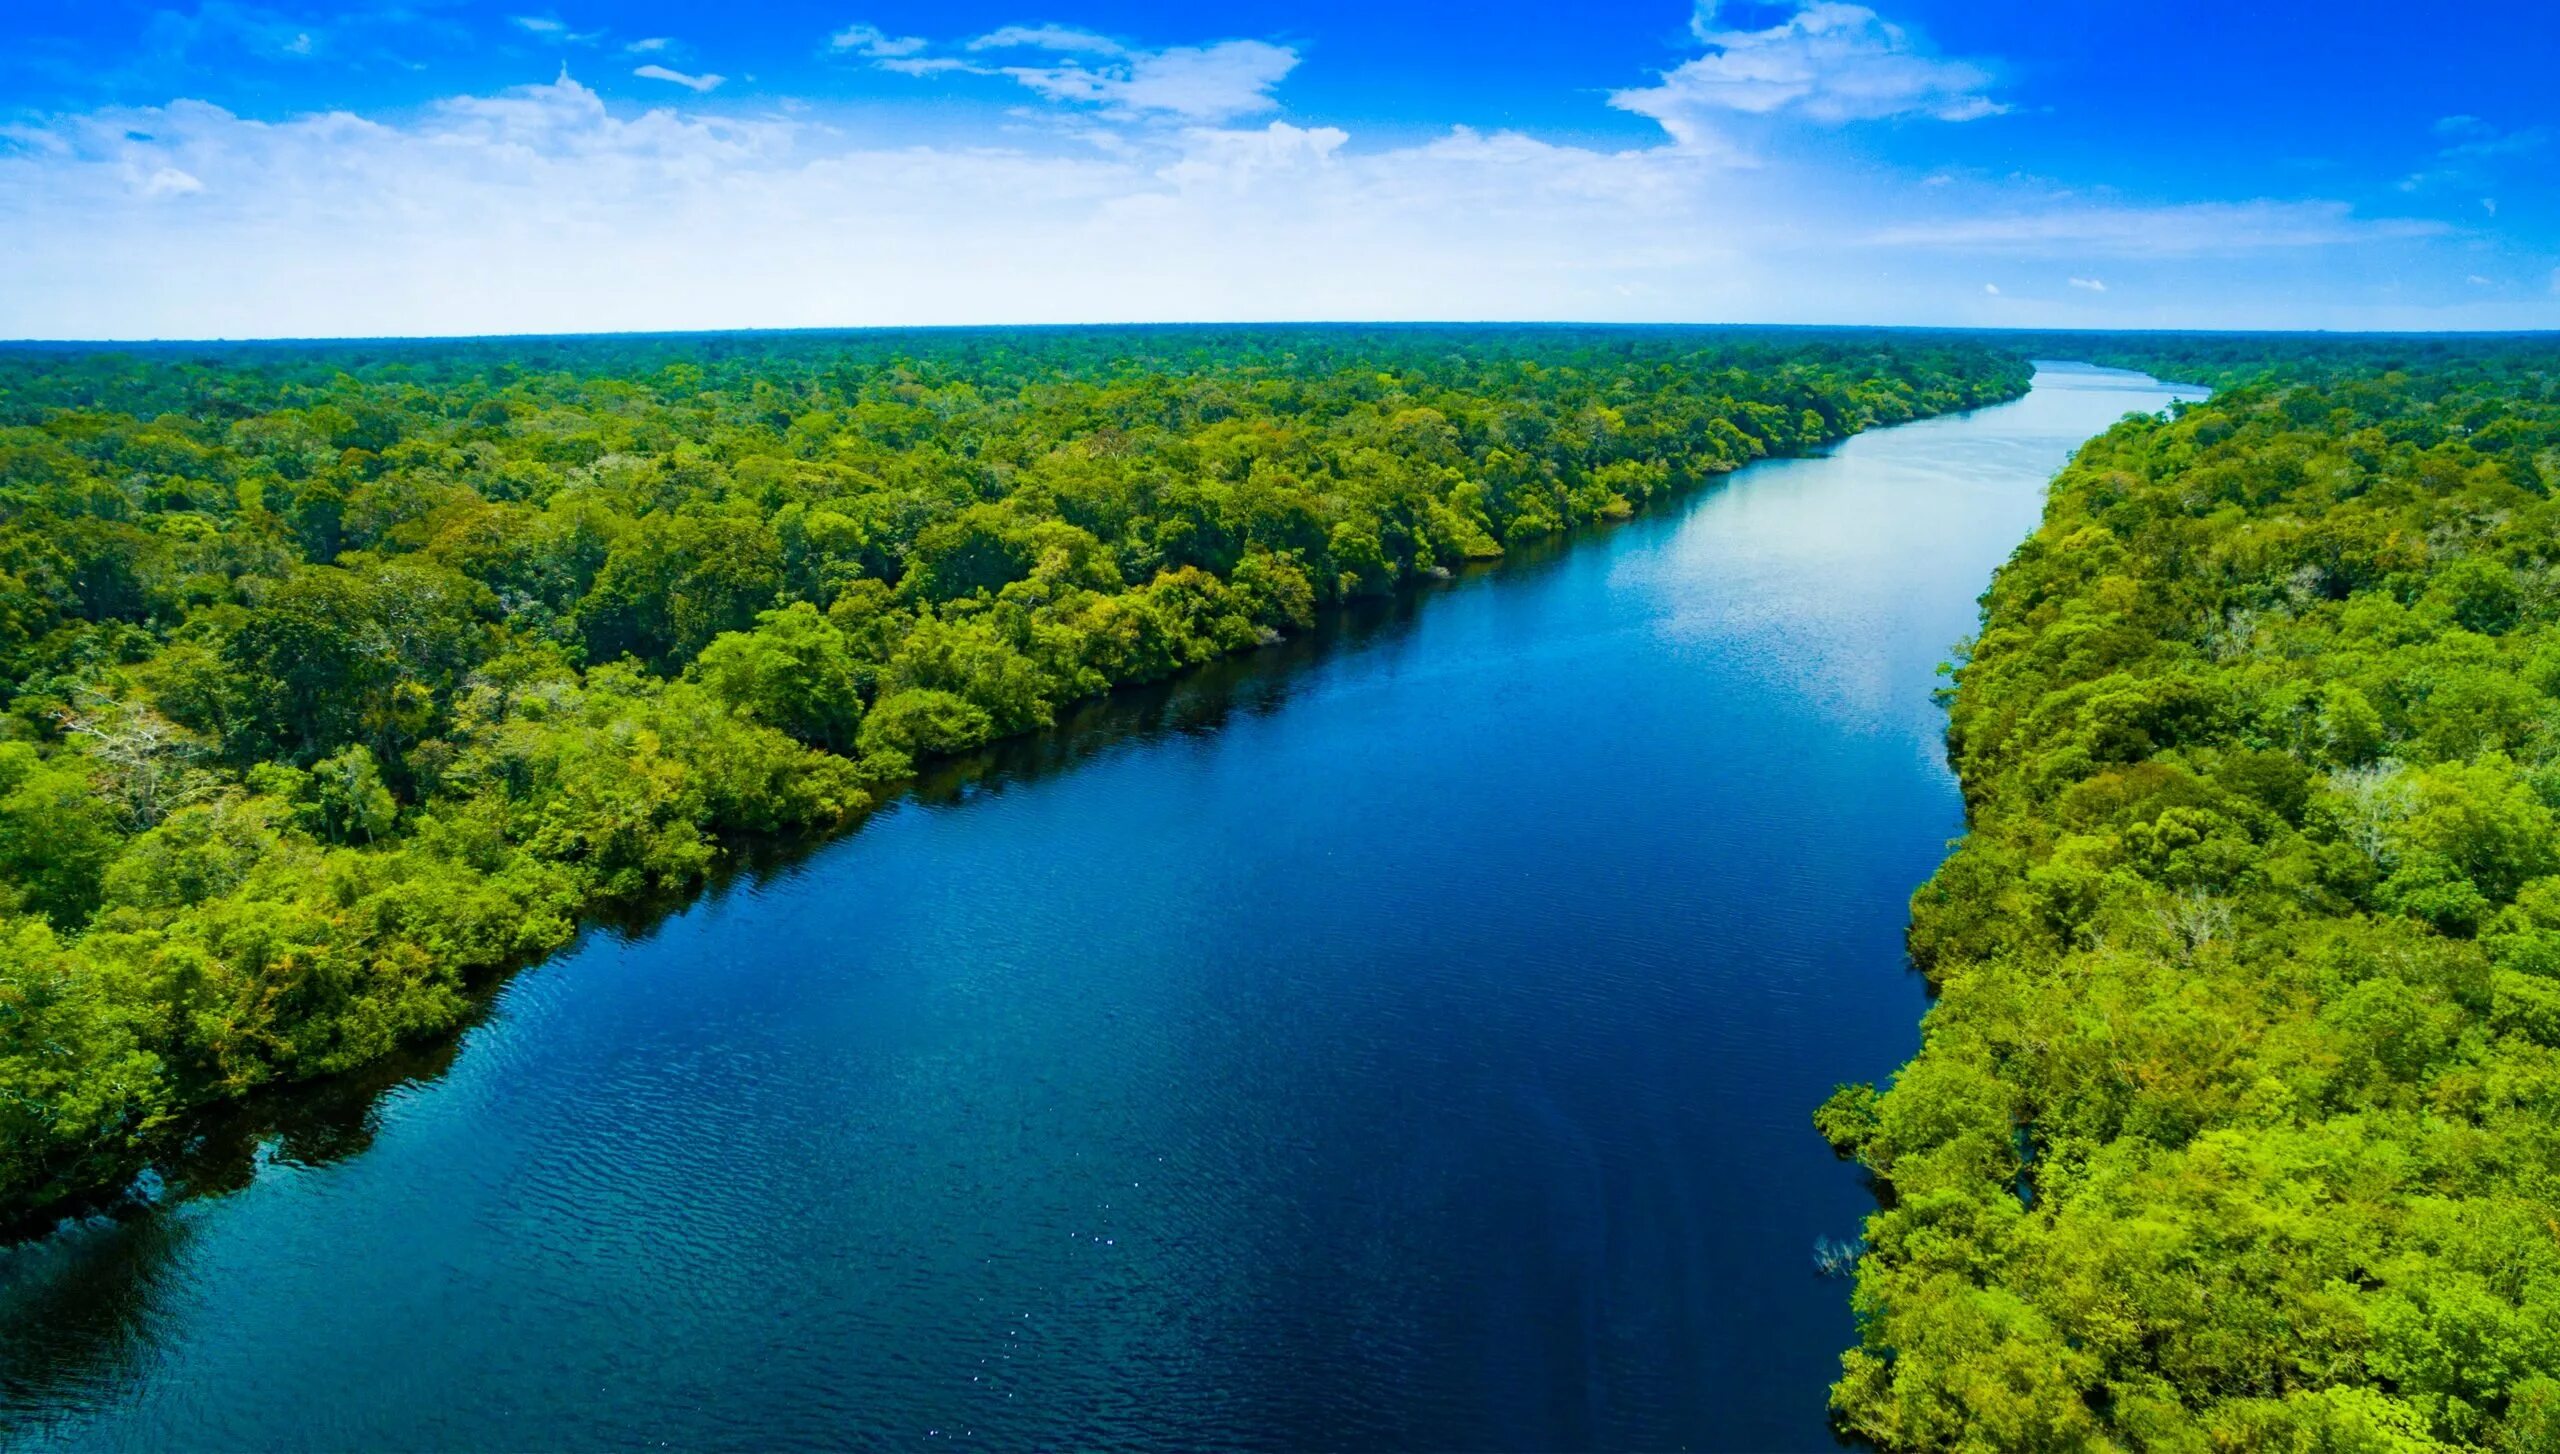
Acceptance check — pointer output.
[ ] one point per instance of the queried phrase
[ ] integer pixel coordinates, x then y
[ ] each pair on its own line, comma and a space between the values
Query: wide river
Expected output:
1402, 1037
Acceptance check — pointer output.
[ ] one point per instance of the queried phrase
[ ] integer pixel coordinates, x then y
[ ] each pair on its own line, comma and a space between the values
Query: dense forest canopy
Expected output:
336, 675
2237, 1124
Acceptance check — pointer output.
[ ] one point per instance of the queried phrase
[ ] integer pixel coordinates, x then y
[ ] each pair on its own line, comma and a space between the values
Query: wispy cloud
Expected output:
1065, 38
928, 66
251, 28
650, 46
870, 41
170, 182
2469, 136
1194, 83
700, 83
1828, 62
1218, 81
2089, 285
190, 49
2182, 230
2472, 153
551, 27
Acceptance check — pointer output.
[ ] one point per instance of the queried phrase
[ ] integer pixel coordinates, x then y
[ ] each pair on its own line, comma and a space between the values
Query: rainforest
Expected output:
338, 677
344, 680
1742, 726
2237, 1121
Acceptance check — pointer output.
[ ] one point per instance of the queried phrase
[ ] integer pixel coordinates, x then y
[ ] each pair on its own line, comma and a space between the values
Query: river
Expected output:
1401, 1037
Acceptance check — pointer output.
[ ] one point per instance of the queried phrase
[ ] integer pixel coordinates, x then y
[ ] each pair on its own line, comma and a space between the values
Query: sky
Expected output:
228, 169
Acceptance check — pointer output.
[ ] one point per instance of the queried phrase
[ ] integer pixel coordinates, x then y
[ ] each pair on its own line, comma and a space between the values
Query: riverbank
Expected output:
2233, 1126
549, 644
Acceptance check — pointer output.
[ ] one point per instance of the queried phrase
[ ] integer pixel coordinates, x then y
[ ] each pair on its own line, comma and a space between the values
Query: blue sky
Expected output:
237, 169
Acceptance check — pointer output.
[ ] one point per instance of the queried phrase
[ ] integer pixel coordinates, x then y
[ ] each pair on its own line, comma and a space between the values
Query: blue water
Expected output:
1399, 1038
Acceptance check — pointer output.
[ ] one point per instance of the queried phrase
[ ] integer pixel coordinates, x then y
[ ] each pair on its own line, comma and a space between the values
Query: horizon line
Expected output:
282, 340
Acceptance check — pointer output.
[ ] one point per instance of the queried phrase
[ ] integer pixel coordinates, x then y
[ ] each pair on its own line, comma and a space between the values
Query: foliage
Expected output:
335, 676
2237, 1122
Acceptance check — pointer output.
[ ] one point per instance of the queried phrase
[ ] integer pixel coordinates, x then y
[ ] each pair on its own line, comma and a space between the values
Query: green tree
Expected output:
348, 798
794, 672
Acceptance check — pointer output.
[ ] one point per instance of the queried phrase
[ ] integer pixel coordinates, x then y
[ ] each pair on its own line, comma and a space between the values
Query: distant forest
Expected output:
340, 676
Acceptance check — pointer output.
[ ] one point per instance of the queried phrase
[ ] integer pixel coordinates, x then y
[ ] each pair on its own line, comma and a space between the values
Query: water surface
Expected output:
1404, 1038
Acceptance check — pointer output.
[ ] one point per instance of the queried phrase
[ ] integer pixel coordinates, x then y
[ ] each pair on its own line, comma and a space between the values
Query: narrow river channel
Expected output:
1404, 1037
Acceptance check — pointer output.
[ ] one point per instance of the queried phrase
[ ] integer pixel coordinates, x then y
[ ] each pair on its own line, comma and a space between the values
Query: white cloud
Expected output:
1237, 159
552, 28
1828, 62
2473, 138
2477, 281
1215, 82
1048, 38
927, 65
705, 82
650, 46
2185, 230
2472, 153
873, 43
170, 182
1194, 83
544, 208
1991, 288
2090, 285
